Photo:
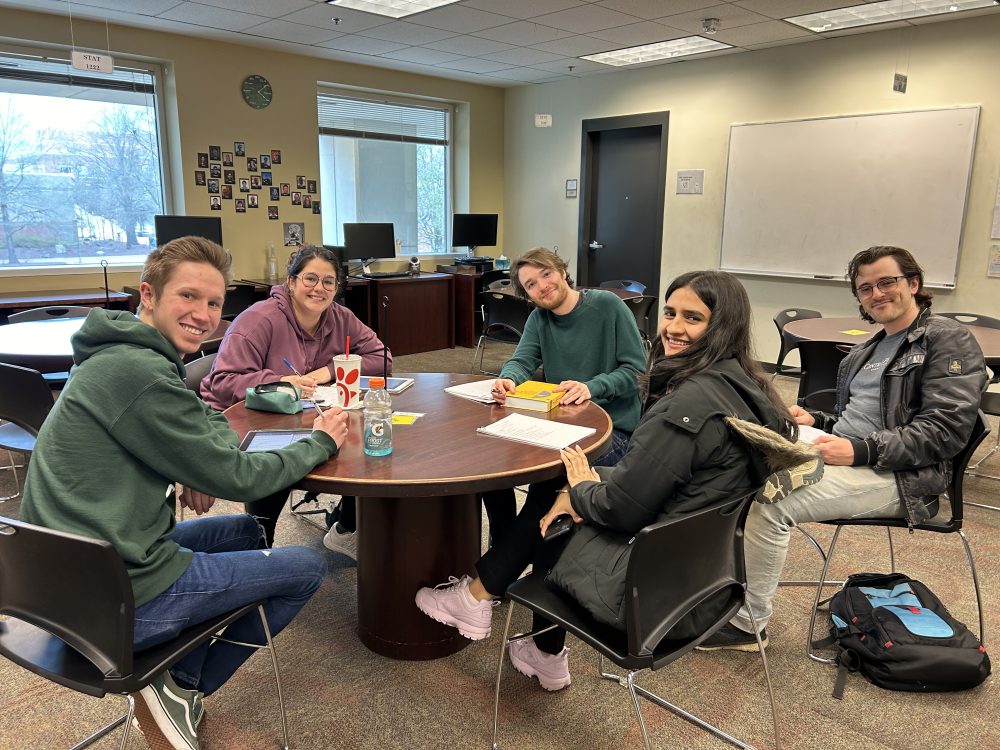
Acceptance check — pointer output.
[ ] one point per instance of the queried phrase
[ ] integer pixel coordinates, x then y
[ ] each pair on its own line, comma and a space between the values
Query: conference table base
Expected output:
404, 544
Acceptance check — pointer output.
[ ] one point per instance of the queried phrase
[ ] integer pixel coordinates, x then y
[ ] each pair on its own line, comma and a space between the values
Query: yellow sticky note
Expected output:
404, 418
855, 332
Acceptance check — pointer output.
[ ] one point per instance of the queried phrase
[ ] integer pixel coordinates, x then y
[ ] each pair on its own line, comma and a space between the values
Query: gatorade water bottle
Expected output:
378, 419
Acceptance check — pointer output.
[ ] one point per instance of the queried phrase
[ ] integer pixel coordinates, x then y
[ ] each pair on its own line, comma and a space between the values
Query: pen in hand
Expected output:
295, 372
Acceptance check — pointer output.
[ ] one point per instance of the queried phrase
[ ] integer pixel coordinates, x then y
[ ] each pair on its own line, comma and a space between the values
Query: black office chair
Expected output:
53, 312
489, 277
655, 603
990, 404
974, 319
818, 381
238, 298
196, 370
788, 343
643, 310
628, 285
25, 401
71, 610
500, 284
952, 525
504, 316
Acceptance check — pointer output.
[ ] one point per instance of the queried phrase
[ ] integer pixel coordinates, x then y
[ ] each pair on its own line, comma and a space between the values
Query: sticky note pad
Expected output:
855, 332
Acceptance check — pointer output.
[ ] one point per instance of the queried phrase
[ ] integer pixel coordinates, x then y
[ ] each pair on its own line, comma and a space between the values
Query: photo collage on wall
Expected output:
259, 181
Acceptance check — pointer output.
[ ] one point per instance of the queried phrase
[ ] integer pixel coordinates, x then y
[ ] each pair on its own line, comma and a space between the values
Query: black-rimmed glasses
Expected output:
310, 280
885, 286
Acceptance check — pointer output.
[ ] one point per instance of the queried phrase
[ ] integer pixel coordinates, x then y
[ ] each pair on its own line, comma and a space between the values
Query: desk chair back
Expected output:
629, 285
818, 381
489, 277
990, 404
504, 318
25, 402
643, 309
951, 525
788, 343
238, 298
500, 285
196, 370
665, 616
53, 312
71, 609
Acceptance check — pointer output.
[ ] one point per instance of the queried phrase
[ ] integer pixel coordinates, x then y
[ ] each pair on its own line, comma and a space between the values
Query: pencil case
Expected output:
280, 397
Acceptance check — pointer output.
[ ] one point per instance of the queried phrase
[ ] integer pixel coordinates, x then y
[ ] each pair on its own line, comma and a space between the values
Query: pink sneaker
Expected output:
452, 604
552, 670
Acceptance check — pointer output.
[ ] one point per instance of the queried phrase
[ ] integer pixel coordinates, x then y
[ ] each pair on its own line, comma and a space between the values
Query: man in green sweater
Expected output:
123, 431
584, 340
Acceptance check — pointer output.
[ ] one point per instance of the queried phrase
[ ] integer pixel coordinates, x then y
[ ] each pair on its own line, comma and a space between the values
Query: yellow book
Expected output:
534, 396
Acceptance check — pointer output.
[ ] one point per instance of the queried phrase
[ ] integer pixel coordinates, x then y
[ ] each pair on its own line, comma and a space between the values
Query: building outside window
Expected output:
80, 163
386, 162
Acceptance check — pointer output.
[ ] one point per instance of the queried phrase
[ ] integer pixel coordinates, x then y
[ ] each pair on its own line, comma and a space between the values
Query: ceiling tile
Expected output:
574, 46
207, 15
407, 33
468, 45
729, 15
293, 32
421, 55
760, 33
321, 14
562, 66
363, 45
268, 8
521, 74
460, 19
522, 56
524, 8
644, 32
148, 7
655, 8
523, 33
475, 65
786, 8
784, 42
585, 19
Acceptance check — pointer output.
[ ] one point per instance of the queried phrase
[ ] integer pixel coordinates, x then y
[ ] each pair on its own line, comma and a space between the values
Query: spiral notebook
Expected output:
544, 433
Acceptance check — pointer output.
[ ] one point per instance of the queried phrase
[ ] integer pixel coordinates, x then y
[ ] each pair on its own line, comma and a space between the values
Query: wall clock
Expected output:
257, 91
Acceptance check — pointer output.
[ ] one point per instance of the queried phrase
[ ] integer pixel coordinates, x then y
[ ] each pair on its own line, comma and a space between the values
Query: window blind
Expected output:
386, 121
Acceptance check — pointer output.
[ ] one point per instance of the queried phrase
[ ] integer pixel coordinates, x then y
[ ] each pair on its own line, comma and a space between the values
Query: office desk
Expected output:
421, 312
11, 302
419, 508
356, 296
835, 329
45, 345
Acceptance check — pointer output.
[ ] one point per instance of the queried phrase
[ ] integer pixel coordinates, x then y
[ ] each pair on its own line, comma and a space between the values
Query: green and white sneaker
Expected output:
169, 715
782, 483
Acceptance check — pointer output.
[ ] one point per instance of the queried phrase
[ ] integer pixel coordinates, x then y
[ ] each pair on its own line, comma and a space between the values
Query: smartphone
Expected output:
561, 525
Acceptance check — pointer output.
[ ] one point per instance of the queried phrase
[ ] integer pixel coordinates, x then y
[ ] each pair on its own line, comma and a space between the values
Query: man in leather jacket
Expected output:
906, 404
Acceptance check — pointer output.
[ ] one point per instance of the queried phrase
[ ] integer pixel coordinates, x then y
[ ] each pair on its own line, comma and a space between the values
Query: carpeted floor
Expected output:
340, 695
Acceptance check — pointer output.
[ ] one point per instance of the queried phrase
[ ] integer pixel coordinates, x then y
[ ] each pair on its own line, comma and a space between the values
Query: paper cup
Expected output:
347, 380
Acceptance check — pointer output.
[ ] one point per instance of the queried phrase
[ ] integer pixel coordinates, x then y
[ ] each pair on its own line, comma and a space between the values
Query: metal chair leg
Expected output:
496, 692
277, 674
822, 554
630, 684
819, 593
975, 584
767, 674
17, 482
892, 552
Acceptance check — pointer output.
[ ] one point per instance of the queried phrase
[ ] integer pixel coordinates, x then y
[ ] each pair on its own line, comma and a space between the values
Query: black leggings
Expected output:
267, 509
522, 544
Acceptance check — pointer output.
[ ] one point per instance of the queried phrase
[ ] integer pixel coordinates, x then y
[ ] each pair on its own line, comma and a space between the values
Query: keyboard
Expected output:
385, 275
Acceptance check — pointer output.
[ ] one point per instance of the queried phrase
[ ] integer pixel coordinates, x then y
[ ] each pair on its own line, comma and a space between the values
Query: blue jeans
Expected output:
227, 571
501, 507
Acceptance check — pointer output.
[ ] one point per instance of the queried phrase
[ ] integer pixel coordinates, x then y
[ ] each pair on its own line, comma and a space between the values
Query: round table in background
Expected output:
418, 508
42, 345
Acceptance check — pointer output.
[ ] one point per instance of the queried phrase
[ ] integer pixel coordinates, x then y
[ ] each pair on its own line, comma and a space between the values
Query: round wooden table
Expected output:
42, 345
418, 508
856, 331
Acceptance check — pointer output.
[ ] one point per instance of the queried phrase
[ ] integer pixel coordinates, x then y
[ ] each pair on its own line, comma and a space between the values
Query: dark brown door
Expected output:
623, 171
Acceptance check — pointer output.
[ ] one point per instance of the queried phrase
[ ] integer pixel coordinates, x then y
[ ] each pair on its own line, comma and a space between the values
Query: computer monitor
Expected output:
474, 230
369, 240
171, 227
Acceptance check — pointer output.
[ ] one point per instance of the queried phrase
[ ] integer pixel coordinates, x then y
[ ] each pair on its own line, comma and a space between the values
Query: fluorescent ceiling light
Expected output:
689, 45
391, 8
883, 12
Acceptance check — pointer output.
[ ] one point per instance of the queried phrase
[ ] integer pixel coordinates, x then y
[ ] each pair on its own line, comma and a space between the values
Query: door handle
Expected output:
595, 245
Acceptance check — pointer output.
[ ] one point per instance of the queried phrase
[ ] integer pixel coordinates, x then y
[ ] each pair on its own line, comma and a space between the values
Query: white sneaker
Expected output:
552, 670
344, 542
452, 604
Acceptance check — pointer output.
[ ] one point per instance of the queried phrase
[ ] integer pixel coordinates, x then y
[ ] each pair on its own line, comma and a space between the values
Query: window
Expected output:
80, 163
386, 162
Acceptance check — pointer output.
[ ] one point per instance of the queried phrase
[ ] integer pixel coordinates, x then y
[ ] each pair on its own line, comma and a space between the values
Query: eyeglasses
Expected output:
885, 286
310, 280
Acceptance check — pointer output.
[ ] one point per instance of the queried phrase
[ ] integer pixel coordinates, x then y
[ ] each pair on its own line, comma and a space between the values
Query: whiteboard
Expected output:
803, 196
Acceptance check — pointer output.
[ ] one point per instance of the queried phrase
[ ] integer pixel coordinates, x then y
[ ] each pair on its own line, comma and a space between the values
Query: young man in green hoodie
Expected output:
123, 431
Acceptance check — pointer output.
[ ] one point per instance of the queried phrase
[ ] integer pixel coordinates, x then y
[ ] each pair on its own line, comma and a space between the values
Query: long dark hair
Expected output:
727, 335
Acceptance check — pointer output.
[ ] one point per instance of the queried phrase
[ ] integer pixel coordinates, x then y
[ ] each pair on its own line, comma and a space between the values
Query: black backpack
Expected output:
900, 636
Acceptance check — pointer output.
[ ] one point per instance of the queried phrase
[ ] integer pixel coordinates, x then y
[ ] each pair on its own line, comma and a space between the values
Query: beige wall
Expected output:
948, 64
204, 104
